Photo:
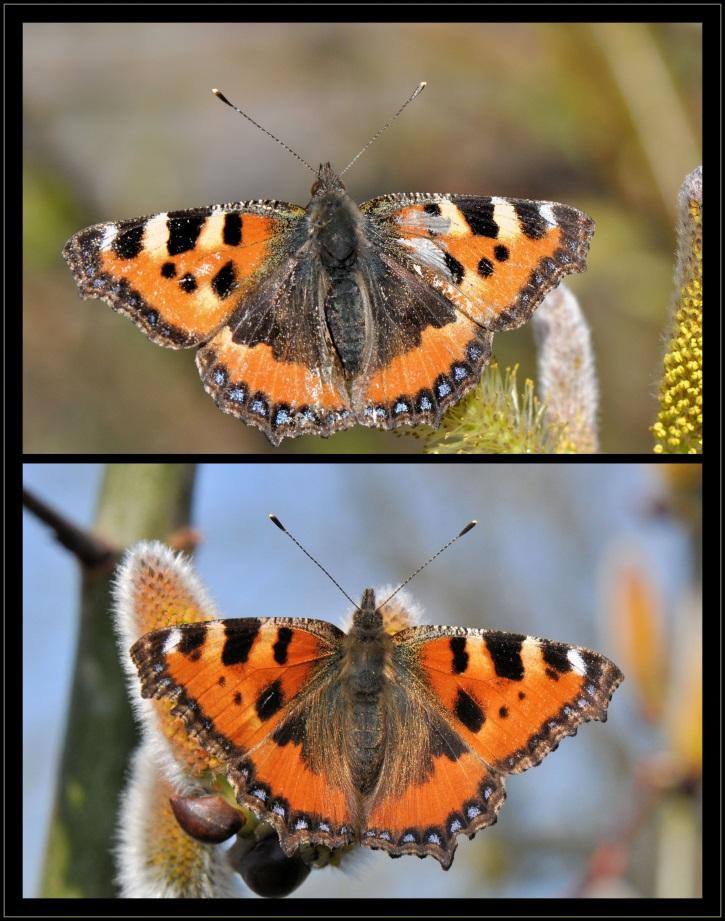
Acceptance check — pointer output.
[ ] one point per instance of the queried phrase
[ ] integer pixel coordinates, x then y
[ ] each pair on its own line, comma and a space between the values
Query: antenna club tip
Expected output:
469, 526
219, 95
275, 520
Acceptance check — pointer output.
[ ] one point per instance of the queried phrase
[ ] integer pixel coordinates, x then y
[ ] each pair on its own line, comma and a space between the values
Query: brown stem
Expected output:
90, 550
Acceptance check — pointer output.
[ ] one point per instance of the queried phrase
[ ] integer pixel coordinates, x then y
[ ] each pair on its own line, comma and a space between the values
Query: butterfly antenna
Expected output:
469, 526
418, 90
220, 95
275, 520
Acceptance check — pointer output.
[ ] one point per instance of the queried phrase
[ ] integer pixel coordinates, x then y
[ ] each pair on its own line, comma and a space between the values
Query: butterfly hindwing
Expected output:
297, 778
272, 365
423, 354
433, 786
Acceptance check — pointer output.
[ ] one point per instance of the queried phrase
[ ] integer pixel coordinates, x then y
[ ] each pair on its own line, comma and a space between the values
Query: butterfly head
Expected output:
327, 181
368, 617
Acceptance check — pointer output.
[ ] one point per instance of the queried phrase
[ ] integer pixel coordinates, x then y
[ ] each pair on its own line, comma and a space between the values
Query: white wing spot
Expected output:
156, 235
172, 640
548, 215
504, 215
576, 661
109, 235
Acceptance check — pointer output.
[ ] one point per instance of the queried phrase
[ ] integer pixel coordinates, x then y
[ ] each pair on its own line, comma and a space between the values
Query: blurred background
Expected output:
606, 557
120, 122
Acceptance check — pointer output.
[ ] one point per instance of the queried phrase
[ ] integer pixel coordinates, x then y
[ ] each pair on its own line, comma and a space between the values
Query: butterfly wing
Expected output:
423, 353
433, 786
513, 698
156, 588
444, 273
246, 689
491, 703
496, 258
273, 364
179, 274
231, 276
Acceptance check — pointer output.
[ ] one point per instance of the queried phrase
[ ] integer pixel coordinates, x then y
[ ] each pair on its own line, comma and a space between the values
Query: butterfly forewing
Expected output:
179, 275
511, 697
496, 258
233, 680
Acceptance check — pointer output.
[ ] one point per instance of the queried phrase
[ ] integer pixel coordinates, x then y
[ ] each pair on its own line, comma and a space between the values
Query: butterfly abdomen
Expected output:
336, 221
367, 744
345, 317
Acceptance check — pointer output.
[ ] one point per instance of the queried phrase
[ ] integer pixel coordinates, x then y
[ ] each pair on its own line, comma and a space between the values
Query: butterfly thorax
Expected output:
366, 663
336, 229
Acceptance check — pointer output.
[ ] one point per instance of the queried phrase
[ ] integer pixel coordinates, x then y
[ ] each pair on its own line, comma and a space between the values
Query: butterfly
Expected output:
311, 320
391, 735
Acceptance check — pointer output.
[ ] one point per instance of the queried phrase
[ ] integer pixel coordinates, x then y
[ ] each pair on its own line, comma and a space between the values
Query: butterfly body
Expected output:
366, 669
311, 320
397, 739
337, 238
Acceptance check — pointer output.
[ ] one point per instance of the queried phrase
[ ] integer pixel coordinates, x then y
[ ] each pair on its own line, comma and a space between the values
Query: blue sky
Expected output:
533, 565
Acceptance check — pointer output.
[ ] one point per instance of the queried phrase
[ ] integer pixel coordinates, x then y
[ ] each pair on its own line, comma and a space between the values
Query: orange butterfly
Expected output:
312, 320
390, 736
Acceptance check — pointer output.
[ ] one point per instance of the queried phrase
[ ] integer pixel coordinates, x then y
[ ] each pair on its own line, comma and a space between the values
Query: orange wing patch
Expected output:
275, 781
232, 680
460, 796
177, 275
418, 385
511, 697
277, 396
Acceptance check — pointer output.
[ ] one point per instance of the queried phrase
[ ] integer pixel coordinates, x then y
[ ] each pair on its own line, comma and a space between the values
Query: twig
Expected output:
90, 550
